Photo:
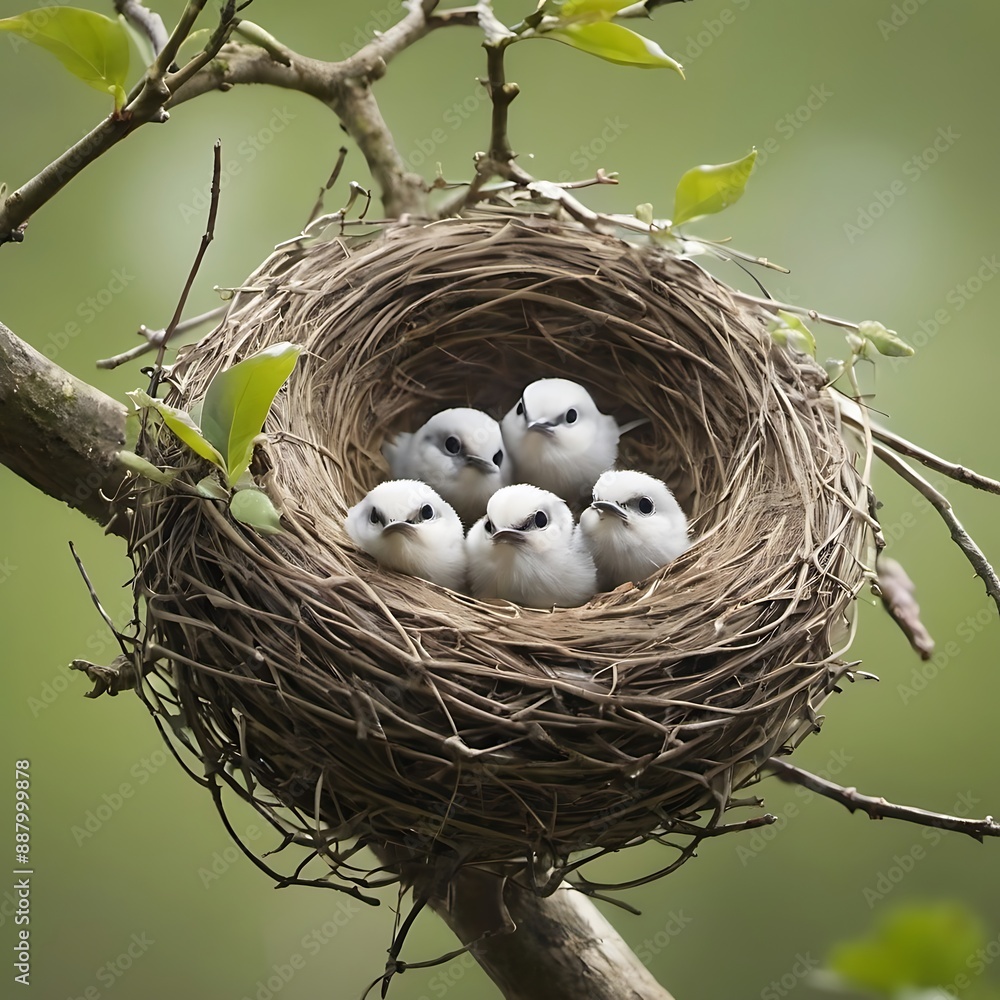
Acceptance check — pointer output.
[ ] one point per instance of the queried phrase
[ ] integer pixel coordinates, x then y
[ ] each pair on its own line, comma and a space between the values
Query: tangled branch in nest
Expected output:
356, 705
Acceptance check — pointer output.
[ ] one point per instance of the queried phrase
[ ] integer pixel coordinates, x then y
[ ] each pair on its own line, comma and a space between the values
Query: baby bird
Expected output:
407, 527
528, 550
558, 439
633, 527
459, 452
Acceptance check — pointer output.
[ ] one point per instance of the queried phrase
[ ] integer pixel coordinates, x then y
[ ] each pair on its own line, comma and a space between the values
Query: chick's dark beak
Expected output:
609, 507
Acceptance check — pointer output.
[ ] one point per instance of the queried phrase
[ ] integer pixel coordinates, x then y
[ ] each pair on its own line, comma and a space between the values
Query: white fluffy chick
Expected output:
407, 527
460, 453
558, 439
527, 549
633, 527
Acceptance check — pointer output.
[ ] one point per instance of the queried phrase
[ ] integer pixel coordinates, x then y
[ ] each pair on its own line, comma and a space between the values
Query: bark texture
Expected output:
60, 434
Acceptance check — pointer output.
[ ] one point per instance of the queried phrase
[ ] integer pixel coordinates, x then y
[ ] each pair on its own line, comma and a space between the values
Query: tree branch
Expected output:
558, 947
975, 555
60, 434
345, 87
875, 807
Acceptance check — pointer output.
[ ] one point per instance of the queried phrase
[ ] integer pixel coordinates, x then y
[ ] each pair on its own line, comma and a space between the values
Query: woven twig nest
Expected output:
379, 707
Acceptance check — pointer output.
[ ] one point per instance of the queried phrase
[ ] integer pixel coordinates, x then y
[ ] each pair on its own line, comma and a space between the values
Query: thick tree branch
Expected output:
60, 434
557, 947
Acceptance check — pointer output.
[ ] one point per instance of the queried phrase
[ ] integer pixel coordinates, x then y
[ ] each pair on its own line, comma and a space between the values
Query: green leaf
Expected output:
237, 402
710, 188
91, 46
644, 213
787, 329
613, 43
180, 422
140, 467
914, 947
588, 10
254, 508
886, 342
211, 488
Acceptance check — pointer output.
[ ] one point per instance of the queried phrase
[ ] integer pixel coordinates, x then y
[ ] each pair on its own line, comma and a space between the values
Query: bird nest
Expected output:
354, 705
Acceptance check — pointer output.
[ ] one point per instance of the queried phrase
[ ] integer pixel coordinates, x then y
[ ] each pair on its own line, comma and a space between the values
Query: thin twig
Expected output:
877, 807
773, 306
144, 20
957, 472
154, 338
334, 174
228, 22
206, 239
940, 503
97, 602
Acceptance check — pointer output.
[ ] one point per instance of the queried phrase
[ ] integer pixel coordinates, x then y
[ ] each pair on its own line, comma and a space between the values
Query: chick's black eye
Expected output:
571, 416
426, 512
488, 526
520, 408
498, 458
645, 505
541, 519
452, 445
374, 517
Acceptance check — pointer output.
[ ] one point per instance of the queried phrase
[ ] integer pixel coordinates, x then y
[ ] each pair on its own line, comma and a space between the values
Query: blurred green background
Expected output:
847, 101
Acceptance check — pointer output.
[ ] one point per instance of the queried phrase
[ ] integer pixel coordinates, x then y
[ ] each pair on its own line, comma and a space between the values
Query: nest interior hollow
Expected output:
383, 707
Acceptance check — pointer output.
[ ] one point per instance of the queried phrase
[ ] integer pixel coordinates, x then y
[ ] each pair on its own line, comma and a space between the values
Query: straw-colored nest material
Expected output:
378, 705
